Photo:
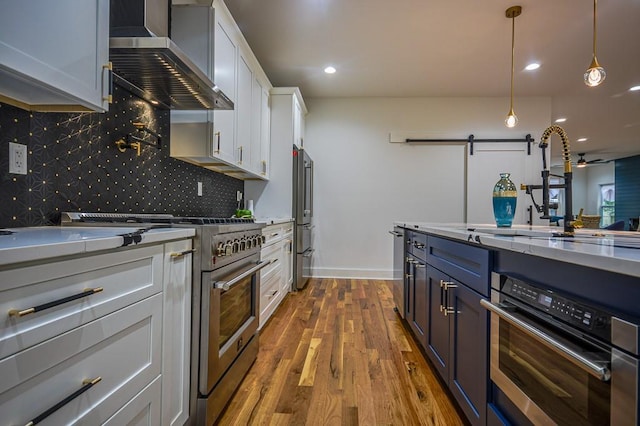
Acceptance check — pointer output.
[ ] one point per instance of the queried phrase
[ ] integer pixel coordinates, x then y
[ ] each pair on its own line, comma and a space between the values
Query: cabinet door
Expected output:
53, 54
417, 302
468, 370
176, 332
256, 126
225, 78
265, 133
438, 322
243, 113
297, 123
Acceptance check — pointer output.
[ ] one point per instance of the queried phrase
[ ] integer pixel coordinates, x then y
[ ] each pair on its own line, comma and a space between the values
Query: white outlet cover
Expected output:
199, 189
17, 158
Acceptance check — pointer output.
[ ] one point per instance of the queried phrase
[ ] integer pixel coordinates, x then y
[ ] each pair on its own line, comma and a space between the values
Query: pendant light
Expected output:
511, 13
595, 74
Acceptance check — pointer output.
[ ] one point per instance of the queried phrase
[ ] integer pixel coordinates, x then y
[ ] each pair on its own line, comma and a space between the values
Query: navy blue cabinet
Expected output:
417, 306
457, 325
445, 281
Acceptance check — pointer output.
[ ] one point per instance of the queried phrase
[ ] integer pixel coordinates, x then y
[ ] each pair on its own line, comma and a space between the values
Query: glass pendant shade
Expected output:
511, 120
595, 74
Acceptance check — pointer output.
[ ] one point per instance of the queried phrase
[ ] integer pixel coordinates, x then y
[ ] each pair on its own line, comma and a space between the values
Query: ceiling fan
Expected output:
583, 163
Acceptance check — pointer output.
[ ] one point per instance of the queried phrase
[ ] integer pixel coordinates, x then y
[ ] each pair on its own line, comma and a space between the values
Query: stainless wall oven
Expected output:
561, 361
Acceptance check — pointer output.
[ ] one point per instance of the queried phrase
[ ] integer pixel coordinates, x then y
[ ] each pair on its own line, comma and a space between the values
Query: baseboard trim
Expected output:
354, 273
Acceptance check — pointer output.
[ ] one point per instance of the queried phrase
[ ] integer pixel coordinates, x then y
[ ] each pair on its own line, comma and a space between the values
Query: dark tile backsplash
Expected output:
74, 165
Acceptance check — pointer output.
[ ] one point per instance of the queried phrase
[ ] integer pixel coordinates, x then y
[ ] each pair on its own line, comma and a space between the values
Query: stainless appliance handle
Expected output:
226, 285
590, 366
311, 187
308, 253
397, 234
308, 226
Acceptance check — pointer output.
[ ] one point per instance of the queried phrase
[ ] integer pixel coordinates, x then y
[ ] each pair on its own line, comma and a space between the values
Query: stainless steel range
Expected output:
226, 282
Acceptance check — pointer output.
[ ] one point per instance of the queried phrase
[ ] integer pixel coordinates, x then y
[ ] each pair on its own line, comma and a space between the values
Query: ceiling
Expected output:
462, 48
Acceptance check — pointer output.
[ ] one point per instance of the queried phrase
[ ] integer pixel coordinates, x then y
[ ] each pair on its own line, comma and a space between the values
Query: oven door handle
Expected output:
226, 285
592, 367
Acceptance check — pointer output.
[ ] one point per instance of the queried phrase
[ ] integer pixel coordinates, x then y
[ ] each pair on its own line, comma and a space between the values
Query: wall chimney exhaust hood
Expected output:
150, 65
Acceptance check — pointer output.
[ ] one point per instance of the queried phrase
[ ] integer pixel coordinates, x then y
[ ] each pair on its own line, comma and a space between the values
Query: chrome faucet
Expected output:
566, 156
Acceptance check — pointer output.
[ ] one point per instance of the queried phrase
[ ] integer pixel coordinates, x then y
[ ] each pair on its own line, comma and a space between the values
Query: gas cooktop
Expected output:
123, 218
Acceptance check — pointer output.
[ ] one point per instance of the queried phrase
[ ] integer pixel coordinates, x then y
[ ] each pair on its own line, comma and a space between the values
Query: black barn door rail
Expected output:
528, 139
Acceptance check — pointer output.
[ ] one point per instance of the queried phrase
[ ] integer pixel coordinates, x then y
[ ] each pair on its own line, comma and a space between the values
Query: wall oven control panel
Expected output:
577, 314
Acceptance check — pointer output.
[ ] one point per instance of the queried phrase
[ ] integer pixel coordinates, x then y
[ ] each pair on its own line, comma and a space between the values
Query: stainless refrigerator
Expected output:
303, 215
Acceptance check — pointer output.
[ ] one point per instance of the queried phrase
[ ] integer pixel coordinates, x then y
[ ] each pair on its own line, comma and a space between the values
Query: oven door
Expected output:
551, 376
229, 317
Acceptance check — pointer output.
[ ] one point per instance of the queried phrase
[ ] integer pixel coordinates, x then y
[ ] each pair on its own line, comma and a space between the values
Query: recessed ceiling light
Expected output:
561, 120
330, 70
532, 66
581, 140
635, 88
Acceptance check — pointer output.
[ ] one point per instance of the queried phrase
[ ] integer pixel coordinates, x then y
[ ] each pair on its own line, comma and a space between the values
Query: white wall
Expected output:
363, 183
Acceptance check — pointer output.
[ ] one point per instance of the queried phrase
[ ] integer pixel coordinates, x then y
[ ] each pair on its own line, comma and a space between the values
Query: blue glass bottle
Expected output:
505, 197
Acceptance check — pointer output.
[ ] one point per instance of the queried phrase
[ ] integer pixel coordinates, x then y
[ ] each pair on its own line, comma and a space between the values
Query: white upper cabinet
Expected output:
234, 142
225, 65
244, 112
54, 56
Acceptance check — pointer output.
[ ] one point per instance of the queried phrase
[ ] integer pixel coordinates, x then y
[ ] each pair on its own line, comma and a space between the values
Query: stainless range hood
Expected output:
147, 63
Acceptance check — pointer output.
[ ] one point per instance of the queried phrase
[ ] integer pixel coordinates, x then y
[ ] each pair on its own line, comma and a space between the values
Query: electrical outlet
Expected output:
17, 158
238, 196
199, 189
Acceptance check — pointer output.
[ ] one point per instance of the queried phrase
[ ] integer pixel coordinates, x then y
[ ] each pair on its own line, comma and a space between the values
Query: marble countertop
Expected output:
38, 243
615, 251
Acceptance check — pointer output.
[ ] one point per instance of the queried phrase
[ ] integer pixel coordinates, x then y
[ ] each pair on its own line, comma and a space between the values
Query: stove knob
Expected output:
243, 244
236, 246
220, 250
228, 248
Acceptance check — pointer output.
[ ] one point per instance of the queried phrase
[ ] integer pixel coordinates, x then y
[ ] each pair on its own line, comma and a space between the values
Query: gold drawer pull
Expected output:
182, 253
86, 385
86, 292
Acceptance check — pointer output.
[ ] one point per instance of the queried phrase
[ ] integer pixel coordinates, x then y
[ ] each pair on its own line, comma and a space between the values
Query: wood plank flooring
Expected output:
336, 353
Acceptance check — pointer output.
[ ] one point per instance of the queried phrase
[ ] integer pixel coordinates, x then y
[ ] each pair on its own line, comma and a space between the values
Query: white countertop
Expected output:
615, 251
38, 243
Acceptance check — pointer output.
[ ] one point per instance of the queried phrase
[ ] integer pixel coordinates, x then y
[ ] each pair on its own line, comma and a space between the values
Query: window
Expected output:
607, 204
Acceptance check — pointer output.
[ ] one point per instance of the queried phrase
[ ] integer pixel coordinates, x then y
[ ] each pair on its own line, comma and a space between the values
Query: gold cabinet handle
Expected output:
182, 253
22, 312
264, 167
86, 385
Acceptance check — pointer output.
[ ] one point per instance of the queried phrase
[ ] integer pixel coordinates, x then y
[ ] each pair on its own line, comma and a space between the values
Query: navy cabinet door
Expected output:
418, 309
437, 322
468, 348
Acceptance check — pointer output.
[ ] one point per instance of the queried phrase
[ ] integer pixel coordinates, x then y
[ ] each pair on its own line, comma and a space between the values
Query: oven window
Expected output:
566, 393
236, 307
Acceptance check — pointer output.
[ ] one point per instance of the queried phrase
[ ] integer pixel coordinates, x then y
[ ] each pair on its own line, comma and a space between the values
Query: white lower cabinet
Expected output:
117, 355
274, 286
176, 332
120, 352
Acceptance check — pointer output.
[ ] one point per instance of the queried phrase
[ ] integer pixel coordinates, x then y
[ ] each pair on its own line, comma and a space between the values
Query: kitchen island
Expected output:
463, 285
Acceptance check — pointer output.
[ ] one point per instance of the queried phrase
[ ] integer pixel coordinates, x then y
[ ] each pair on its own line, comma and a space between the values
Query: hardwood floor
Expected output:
336, 353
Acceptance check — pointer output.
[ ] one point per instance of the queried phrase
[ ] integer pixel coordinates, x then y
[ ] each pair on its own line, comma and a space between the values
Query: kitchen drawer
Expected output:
270, 254
417, 245
463, 262
123, 348
143, 409
125, 276
272, 234
269, 295
274, 274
